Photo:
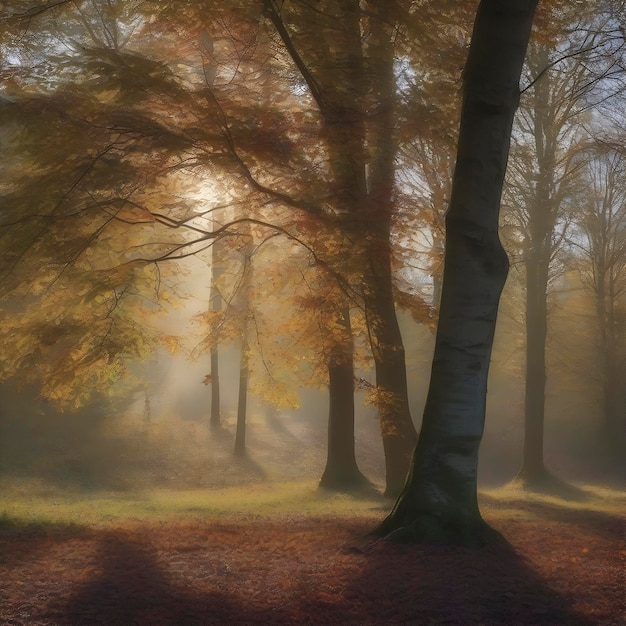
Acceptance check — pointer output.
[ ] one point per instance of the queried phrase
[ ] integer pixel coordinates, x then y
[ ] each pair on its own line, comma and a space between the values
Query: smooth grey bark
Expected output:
439, 502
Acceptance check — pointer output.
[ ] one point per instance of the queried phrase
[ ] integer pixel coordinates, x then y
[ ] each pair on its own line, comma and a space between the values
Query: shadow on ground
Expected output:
596, 521
383, 584
493, 585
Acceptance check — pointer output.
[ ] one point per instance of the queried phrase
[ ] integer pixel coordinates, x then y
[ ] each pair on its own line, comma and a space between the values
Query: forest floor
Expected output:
127, 522
288, 553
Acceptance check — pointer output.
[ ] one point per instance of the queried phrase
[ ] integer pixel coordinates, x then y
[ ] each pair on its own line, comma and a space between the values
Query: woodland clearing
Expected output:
161, 524
292, 554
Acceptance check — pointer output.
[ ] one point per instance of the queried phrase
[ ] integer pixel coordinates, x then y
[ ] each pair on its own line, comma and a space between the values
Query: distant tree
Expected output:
215, 303
565, 81
602, 242
439, 502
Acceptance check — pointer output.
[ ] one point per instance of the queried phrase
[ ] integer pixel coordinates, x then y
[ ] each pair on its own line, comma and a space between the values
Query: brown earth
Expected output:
559, 567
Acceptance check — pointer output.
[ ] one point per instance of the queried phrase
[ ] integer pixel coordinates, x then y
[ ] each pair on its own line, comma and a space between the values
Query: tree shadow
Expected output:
133, 589
382, 584
590, 519
19, 539
548, 484
402, 584
250, 466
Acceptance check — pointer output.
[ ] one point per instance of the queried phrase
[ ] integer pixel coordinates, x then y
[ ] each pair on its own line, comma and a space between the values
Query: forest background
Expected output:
221, 269
177, 196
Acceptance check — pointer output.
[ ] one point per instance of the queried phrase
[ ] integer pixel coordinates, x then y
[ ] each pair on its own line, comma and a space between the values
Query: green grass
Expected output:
30, 504
512, 498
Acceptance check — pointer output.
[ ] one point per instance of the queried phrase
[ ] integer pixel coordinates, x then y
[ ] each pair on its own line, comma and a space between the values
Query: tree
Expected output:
356, 109
215, 302
544, 185
439, 501
602, 224
341, 472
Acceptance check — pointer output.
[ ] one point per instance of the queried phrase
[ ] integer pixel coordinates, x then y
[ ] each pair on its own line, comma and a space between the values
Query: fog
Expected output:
157, 434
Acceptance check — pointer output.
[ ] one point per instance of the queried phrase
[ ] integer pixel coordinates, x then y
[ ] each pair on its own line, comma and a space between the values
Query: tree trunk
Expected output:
244, 304
341, 472
610, 340
242, 403
364, 219
397, 429
439, 502
215, 300
215, 419
533, 472
542, 217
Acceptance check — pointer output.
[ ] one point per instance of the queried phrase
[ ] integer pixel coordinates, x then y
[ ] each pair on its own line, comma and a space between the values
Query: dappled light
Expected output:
312, 312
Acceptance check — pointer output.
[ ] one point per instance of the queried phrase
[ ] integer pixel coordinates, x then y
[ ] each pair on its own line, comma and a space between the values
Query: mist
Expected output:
157, 434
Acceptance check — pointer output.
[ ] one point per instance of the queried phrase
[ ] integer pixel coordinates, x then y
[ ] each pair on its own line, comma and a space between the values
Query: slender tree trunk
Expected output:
542, 215
216, 305
341, 472
244, 303
533, 472
439, 502
605, 308
397, 429
215, 420
242, 403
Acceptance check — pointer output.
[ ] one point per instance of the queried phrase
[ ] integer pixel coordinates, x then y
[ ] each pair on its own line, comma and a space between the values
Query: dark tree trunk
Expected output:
244, 304
215, 301
242, 403
215, 420
439, 502
533, 472
341, 472
364, 218
542, 217
397, 429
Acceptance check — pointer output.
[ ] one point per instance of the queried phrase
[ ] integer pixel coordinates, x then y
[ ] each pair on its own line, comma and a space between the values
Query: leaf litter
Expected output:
313, 570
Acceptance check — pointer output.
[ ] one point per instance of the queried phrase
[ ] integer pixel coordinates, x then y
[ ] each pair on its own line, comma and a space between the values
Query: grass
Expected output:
513, 501
33, 503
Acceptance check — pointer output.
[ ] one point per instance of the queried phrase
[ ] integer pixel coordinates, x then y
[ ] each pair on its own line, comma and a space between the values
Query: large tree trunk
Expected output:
439, 502
341, 472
